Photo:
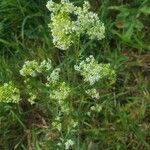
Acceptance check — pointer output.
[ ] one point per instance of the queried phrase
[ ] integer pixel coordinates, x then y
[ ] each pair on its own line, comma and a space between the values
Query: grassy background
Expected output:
125, 123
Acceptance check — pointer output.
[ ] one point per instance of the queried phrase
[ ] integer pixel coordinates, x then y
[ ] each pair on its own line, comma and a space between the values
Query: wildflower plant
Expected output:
56, 88
71, 97
44, 83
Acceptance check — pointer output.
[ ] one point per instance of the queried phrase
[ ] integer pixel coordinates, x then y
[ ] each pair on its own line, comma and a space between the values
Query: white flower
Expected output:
88, 23
96, 108
93, 93
61, 93
61, 30
68, 144
92, 71
66, 29
32, 68
45, 65
54, 76
29, 68
50, 4
32, 98
57, 123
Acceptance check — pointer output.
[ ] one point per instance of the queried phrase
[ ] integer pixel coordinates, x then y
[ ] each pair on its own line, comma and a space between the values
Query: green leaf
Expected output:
129, 32
145, 10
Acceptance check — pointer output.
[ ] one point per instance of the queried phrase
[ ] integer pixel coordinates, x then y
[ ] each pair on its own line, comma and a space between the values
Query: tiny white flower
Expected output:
96, 108
64, 29
92, 71
93, 93
68, 144
61, 93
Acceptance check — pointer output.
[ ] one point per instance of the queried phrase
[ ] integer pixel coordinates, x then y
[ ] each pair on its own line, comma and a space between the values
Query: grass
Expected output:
124, 122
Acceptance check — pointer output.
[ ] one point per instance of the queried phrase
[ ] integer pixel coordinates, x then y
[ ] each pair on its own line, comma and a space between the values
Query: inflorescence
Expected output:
92, 71
32, 68
58, 90
65, 28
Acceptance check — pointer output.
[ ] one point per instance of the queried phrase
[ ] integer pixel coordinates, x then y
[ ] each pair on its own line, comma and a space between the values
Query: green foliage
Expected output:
49, 104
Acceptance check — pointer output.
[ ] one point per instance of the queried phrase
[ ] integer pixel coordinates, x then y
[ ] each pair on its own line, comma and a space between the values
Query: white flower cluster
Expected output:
54, 76
93, 93
32, 98
32, 68
57, 123
96, 108
88, 22
9, 93
70, 127
66, 29
92, 71
61, 26
61, 93
67, 144
29, 68
46, 65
